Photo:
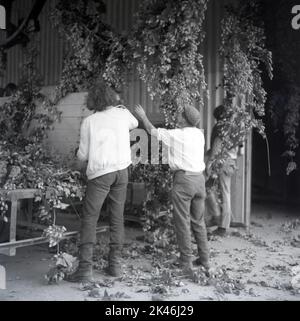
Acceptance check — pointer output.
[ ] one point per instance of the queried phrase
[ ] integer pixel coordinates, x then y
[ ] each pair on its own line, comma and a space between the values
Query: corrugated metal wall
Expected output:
50, 46
120, 13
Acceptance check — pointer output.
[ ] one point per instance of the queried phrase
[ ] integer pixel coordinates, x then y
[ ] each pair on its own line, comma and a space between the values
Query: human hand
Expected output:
140, 112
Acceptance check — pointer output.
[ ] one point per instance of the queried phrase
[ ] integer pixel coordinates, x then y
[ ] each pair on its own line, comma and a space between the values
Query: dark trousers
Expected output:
113, 186
188, 197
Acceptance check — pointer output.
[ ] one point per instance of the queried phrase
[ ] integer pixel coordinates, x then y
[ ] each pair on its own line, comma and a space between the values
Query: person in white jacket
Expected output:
105, 146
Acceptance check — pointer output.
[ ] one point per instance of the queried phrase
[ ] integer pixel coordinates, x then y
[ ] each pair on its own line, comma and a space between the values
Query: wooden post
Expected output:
13, 224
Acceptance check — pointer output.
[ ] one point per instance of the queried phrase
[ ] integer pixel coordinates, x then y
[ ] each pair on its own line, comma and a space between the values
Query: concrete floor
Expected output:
263, 263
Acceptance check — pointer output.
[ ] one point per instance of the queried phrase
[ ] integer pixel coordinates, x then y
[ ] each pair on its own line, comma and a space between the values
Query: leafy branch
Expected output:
243, 49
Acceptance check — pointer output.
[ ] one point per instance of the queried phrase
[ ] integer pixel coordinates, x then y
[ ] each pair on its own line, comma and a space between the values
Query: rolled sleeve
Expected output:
83, 150
132, 121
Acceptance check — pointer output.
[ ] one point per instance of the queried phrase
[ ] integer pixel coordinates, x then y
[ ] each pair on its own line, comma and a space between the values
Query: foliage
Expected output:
165, 45
285, 113
91, 43
284, 104
157, 208
244, 52
25, 120
64, 264
55, 234
25, 160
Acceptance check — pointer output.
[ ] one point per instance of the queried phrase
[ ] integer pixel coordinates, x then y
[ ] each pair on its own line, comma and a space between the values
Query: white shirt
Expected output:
105, 141
185, 148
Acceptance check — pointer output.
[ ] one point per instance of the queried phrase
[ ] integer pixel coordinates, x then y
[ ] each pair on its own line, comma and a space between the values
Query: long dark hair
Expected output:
101, 95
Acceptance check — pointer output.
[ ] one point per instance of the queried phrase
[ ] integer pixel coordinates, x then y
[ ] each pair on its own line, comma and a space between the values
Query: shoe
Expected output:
113, 270
199, 262
185, 264
220, 231
84, 272
81, 275
114, 265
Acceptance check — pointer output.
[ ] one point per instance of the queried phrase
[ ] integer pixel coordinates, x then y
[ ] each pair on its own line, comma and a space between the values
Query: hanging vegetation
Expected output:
91, 43
165, 45
243, 49
25, 161
165, 48
284, 103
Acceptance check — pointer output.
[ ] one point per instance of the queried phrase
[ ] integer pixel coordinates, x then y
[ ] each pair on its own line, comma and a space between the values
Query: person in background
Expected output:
186, 158
105, 146
220, 215
10, 89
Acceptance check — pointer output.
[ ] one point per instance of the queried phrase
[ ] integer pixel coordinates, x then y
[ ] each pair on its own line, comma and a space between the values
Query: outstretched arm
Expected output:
139, 111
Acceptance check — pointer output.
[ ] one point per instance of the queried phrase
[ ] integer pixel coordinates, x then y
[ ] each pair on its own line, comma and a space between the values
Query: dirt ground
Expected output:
260, 264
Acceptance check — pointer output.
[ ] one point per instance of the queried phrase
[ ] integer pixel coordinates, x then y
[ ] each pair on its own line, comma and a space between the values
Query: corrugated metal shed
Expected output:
120, 14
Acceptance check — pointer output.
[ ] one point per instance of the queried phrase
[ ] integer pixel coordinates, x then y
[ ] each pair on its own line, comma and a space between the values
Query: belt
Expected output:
188, 172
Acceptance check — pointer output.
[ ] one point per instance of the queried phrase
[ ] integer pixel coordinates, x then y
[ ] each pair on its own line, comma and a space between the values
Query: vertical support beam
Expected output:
13, 224
248, 179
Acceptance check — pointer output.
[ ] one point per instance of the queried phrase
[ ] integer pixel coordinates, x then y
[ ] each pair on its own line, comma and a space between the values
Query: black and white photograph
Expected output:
149, 152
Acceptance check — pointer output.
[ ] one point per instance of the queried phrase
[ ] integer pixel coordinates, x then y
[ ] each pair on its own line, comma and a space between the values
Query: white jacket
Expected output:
105, 141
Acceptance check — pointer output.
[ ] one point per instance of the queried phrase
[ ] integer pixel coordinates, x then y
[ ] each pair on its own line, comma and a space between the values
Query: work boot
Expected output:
114, 264
84, 271
220, 231
185, 264
204, 263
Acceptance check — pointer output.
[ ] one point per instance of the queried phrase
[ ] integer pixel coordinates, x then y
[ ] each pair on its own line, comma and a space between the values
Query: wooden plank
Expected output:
19, 193
13, 245
22, 194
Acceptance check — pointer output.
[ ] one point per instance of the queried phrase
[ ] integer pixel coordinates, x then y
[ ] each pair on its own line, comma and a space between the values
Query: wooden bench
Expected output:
14, 197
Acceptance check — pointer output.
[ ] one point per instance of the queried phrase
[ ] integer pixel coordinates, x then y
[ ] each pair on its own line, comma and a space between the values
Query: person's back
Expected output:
109, 141
186, 148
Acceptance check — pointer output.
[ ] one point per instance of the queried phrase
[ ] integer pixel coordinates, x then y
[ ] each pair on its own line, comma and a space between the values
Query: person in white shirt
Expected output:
186, 158
105, 146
